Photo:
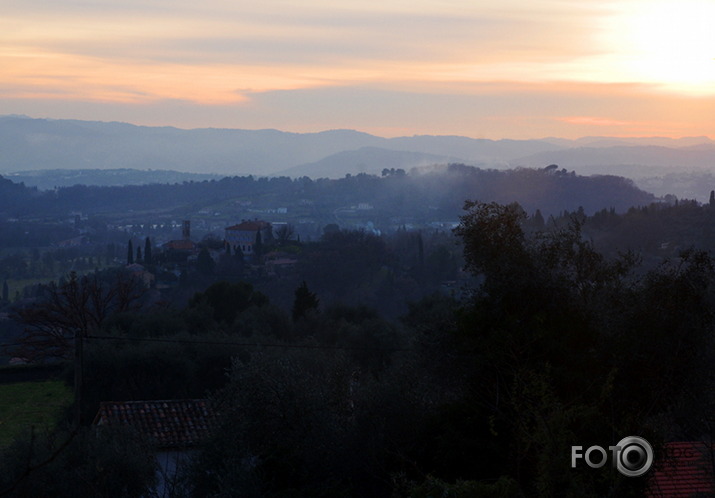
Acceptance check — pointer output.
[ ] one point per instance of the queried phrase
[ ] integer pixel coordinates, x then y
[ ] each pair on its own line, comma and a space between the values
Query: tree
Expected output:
107, 462
227, 300
493, 238
212, 241
258, 247
205, 263
238, 254
130, 253
330, 228
139, 255
76, 308
304, 301
284, 234
309, 391
147, 252
269, 239
556, 332
69, 314
420, 250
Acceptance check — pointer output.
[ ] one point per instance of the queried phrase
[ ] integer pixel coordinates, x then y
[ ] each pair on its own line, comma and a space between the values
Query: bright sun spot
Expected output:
671, 43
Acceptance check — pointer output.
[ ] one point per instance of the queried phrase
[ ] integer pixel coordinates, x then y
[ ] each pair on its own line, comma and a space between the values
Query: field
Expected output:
33, 403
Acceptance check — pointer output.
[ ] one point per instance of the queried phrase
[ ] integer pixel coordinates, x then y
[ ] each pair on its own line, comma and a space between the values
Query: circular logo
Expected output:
635, 457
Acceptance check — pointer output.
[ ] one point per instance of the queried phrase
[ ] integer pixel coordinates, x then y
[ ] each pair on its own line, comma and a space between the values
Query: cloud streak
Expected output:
504, 55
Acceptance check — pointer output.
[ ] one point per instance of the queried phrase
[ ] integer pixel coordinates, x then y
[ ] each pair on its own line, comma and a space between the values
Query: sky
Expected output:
493, 69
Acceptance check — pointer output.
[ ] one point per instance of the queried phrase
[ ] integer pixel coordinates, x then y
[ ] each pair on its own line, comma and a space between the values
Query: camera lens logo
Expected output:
632, 456
635, 457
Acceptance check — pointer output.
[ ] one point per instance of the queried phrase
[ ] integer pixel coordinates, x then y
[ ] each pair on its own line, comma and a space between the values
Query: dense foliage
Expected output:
474, 393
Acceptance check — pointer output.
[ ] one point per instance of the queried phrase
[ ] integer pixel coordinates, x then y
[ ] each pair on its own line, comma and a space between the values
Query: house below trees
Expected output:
244, 235
173, 428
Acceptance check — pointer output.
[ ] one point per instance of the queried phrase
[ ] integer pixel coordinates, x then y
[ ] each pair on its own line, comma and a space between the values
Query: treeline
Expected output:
53, 178
419, 194
653, 231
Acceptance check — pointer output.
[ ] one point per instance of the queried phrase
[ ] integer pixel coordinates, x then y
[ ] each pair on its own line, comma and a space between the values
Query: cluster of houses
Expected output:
243, 238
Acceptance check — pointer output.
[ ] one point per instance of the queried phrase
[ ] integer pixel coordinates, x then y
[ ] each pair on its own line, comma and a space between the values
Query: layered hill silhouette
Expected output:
433, 193
41, 144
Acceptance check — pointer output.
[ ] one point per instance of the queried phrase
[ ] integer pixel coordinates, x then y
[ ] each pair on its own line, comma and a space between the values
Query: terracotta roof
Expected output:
250, 226
167, 423
686, 471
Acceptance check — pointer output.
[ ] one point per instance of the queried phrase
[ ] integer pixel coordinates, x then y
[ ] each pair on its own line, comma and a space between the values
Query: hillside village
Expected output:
359, 301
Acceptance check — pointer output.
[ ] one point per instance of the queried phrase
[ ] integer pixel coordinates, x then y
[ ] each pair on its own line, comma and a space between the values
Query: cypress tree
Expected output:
258, 247
420, 249
238, 254
147, 251
130, 253
205, 264
305, 300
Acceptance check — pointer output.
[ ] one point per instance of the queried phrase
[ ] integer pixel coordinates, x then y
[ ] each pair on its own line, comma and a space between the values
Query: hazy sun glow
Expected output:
669, 43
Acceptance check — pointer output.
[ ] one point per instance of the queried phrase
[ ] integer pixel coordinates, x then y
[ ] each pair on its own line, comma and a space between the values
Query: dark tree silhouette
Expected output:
227, 300
76, 308
305, 300
330, 228
238, 254
205, 263
420, 250
284, 234
130, 253
147, 252
258, 247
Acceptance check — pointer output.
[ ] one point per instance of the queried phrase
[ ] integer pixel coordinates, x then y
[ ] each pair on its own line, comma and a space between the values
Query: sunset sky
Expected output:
479, 68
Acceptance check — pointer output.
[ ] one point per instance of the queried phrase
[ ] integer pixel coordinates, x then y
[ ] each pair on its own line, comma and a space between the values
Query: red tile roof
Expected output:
687, 471
167, 423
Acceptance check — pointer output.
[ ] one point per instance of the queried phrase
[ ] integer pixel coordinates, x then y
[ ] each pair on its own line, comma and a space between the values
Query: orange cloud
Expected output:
489, 68
593, 121
43, 75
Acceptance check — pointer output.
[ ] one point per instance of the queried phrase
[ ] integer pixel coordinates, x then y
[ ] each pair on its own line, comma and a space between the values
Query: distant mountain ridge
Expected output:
40, 144
370, 160
632, 161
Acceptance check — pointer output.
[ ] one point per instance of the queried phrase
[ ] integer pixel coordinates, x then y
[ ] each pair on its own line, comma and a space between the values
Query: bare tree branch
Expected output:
77, 307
